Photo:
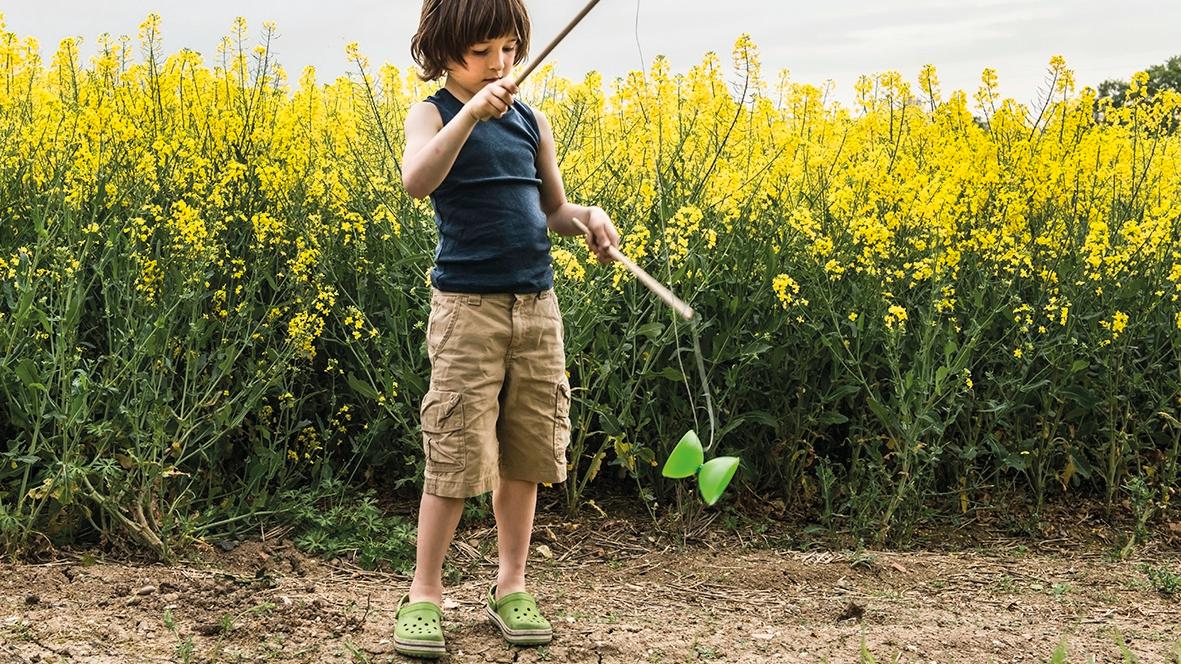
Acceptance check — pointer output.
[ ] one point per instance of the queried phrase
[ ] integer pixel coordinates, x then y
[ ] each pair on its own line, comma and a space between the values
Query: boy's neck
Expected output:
457, 91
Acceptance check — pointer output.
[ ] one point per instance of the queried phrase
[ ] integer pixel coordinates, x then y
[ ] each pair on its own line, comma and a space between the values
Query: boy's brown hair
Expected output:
448, 28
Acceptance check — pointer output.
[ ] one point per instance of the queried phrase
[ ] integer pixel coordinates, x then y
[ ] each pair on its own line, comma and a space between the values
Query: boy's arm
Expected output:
431, 148
559, 211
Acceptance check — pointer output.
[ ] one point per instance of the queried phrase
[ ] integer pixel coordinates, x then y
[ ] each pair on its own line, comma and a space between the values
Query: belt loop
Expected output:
473, 299
543, 294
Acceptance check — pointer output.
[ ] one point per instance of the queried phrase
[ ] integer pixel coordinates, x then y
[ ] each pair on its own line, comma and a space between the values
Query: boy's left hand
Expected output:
601, 234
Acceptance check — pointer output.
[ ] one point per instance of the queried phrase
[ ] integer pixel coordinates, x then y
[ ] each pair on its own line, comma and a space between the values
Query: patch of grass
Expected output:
359, 656
1060, 654
184, 648
1128, 656
1164, 580
477, 509
704, 651
20, 631
336, 522
1006, 583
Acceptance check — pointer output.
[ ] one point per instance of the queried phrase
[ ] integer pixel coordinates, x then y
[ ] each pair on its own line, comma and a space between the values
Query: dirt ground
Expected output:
617, 590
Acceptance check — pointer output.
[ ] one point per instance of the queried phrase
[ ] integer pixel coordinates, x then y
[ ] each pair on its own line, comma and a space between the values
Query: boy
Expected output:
496, 415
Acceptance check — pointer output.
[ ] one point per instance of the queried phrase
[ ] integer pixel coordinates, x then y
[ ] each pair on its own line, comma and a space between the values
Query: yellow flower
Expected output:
896, 315
572, 268
786, 289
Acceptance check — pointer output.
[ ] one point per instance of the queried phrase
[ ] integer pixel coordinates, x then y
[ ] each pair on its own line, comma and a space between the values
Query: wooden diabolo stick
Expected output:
557, 40
648, 280
653, 285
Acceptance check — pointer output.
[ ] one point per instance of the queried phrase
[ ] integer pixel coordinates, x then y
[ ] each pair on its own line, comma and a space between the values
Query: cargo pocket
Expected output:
443, 431
561, 419
441, 322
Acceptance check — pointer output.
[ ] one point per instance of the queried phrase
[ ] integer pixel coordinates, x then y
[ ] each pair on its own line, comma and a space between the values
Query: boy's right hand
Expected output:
492, 101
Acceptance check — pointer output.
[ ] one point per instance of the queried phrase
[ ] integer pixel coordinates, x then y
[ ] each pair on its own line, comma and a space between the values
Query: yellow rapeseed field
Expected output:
209, 272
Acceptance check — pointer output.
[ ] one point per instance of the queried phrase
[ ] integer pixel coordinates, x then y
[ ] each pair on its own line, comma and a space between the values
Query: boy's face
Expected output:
485, 62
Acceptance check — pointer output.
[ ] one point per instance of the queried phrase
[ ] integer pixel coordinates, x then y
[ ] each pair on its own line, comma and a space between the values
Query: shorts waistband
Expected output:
474, 299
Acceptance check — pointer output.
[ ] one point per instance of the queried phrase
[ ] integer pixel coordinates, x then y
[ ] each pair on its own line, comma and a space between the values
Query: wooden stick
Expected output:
561, 35
653, 285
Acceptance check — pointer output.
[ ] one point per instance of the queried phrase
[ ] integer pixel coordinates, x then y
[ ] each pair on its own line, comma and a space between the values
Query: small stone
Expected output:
545, 551
146, 590
32, 599
207, 629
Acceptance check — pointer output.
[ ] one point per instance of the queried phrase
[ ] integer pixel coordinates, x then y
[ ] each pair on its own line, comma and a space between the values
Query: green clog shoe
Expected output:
419, 629
517, 617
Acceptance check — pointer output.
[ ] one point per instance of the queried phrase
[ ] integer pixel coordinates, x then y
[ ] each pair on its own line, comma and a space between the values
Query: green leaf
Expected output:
361, 387
832, 417
940, 376
651, 330
756, 416
1035, 386
669, 373
841, 391
754, 349
27, 372
884, 416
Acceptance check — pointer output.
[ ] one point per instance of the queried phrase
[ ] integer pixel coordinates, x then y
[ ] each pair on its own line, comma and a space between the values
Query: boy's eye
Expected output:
481, 51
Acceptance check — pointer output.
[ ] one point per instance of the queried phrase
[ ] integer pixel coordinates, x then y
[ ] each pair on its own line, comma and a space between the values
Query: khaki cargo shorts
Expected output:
499, 398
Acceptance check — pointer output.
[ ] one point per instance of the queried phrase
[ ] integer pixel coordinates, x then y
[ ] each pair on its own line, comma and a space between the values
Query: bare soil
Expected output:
620, 590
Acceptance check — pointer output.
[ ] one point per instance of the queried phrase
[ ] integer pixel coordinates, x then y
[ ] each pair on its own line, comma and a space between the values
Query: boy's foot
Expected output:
518, 619
419, 629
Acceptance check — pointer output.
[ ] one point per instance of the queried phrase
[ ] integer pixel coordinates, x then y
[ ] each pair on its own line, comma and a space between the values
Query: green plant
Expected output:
1163, 579
336, 522
1144, 505
185, 647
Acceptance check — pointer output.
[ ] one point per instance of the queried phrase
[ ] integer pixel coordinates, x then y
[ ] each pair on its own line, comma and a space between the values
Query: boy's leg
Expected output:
513, 503
467, 335
437, 518
533, 430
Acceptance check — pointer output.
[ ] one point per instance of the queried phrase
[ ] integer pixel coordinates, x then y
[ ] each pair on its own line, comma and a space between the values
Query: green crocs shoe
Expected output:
518, 619
419, 629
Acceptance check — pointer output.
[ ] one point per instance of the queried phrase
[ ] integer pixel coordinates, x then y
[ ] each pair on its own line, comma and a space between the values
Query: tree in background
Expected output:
1165, 76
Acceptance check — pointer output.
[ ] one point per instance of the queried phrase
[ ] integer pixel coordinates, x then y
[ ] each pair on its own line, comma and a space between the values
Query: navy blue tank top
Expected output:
492, 231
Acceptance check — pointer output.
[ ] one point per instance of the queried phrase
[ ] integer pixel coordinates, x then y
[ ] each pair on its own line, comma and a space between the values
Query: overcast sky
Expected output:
816, 41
